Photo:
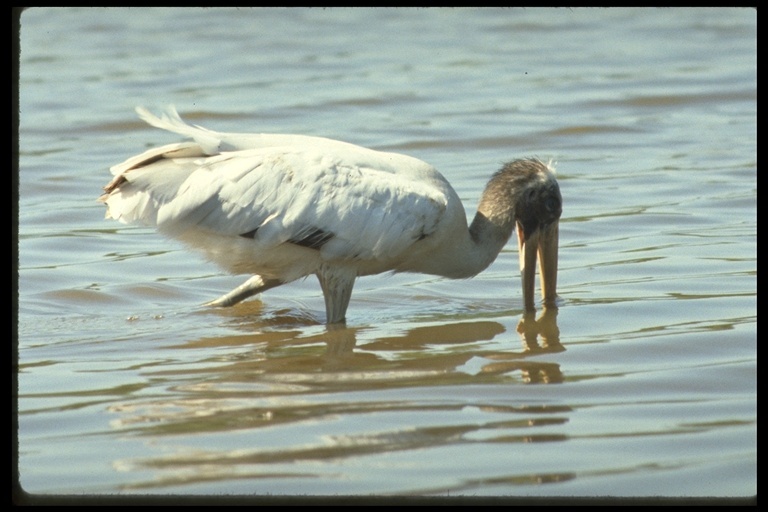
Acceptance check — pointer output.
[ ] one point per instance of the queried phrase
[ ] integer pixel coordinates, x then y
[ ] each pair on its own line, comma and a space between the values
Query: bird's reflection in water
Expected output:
531, 328
444, 349
538, 336
265, 375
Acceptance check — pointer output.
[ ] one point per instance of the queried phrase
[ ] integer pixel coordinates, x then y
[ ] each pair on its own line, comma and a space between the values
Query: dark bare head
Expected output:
525, 195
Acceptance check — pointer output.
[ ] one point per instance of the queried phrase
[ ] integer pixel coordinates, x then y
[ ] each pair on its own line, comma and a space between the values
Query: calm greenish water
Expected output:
642, 384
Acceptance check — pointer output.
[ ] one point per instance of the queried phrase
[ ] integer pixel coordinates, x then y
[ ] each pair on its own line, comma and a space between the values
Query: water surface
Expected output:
643, 383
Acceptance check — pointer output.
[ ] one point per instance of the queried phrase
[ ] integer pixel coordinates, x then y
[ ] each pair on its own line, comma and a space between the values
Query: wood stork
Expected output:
282, 207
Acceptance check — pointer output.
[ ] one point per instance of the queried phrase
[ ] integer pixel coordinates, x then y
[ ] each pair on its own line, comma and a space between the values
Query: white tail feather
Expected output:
170, 120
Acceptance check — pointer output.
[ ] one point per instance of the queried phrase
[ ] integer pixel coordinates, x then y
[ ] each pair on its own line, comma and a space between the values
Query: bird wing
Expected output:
345, 201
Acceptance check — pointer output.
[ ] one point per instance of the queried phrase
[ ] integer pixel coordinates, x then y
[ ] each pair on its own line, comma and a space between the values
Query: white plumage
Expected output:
282, 207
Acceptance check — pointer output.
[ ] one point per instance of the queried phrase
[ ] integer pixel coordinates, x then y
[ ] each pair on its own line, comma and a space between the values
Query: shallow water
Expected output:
643, 382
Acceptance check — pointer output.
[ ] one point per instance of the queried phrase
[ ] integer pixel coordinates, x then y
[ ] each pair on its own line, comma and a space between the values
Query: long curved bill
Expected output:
541, 244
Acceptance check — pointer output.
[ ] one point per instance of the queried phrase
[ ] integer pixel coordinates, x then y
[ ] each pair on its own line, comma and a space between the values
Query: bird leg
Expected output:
337, 284
252, 286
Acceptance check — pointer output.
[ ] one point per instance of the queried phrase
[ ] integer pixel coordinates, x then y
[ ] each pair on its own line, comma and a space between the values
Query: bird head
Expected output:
537, 209
524, 195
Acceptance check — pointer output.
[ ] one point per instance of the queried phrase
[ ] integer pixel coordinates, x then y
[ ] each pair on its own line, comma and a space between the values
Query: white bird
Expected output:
282, 207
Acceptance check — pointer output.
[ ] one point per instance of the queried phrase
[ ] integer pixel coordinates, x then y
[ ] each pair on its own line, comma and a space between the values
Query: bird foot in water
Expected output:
251, 287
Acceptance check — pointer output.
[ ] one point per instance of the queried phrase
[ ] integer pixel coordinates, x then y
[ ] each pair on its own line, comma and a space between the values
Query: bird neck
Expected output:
477, 247
465, 254
495, 219
489, 234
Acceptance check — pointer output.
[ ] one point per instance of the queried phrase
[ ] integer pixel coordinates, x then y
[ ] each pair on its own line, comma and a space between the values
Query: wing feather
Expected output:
348, 202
